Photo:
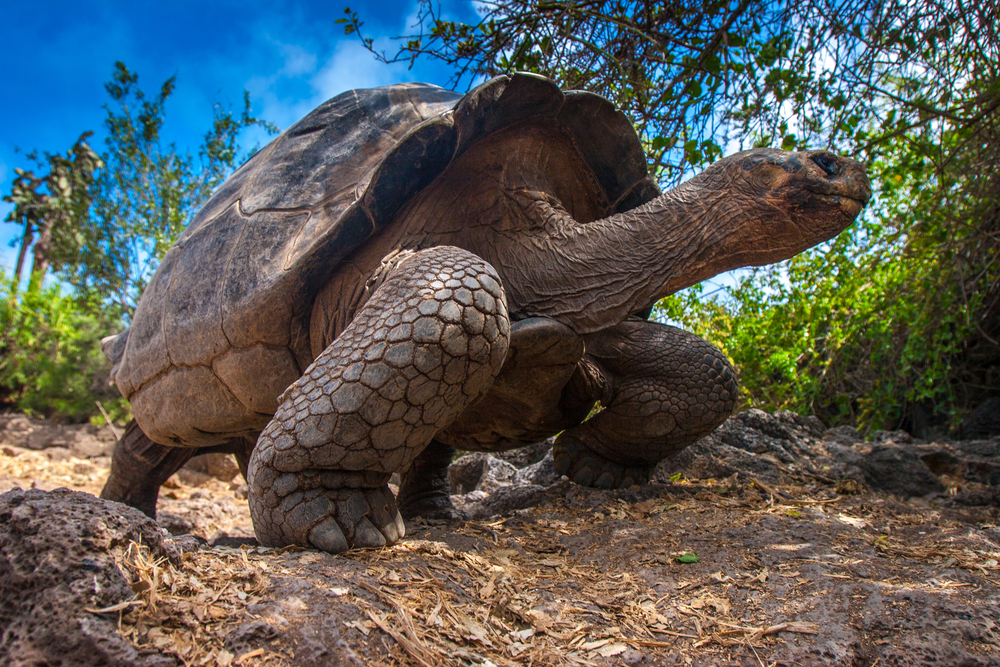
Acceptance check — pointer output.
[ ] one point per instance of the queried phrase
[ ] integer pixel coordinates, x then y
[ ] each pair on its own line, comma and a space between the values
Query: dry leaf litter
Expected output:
583, 578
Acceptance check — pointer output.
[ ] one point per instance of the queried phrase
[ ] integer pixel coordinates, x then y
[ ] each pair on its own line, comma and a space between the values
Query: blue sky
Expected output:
289, 56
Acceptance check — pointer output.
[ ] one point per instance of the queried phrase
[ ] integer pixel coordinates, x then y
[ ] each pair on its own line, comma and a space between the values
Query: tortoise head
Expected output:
782, 202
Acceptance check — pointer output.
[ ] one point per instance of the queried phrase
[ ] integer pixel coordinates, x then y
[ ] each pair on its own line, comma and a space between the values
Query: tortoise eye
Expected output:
825, 162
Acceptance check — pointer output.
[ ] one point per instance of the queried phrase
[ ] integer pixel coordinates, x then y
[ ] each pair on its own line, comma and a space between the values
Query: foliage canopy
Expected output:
53, 207
149, 190
101, 223
697, 75
895, 322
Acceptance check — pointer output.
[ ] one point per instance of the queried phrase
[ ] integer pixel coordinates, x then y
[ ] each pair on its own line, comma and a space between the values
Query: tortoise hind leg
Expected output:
424, 488
427, 344
139, 466
668, 389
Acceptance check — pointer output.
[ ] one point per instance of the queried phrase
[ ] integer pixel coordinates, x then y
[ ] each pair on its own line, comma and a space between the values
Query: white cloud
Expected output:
352, 66
297, 60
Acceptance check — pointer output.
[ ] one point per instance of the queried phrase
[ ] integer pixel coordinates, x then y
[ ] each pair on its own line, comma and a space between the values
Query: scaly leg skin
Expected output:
424, 488
525, 404
139, 466
427, 344
669, 388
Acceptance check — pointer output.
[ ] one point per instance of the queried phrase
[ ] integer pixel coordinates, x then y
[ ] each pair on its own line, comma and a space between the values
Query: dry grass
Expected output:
517, 609
187, 611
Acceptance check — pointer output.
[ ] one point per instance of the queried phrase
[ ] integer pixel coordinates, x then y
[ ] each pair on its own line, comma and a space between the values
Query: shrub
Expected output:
50, 358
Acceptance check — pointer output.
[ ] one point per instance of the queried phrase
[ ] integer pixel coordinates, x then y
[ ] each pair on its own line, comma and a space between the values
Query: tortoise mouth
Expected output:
837, 198
849, 206
857, 193
843, 207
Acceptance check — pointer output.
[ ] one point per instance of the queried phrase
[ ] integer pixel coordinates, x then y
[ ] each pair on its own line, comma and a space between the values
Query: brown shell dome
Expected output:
223, 320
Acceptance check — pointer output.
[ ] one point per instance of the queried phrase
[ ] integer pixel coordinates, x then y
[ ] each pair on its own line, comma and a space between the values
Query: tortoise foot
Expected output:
588, 468
299, 509
361, 518
433, 513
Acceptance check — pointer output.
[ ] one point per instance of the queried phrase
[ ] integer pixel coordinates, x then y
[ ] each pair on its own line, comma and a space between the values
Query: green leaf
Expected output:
712, 64
689, 557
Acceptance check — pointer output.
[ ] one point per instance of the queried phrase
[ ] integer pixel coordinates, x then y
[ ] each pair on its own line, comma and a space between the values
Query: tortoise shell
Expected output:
223, 325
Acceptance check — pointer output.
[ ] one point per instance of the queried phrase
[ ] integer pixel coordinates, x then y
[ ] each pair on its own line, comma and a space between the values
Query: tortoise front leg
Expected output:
427, 344
522, 407
668, 389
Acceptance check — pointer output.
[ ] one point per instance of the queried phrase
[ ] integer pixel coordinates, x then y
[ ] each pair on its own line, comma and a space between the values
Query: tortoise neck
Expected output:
685, 236
597, 274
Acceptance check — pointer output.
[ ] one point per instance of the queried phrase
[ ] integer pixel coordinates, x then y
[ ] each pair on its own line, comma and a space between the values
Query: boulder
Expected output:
983, 422
846, 436
479, 471
522, 457
899, 470
776, 449
542, 473
773, 448
59, 555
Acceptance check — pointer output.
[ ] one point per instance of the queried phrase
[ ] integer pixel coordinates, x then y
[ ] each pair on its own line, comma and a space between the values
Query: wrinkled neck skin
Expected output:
594, 275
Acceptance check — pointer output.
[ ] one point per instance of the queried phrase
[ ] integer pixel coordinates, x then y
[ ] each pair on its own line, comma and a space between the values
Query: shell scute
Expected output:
181, 417
606, 140
237, 369
502, 102
145, 354
192, 313
255, 273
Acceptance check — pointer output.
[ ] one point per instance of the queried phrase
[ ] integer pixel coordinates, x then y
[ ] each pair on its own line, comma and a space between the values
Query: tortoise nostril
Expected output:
825, 162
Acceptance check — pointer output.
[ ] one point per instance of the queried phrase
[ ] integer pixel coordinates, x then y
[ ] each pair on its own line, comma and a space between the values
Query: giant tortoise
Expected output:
407, 270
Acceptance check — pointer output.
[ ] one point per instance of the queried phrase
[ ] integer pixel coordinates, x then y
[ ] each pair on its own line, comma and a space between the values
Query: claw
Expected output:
605, 481
367, 535
386, 523
389, 530
584, 477
327, 536
588, 468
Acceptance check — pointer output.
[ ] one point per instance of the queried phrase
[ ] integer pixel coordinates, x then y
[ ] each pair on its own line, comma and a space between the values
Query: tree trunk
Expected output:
26, 240
40, 263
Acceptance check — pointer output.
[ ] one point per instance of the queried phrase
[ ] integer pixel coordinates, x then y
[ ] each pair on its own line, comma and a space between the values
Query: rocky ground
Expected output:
772, 542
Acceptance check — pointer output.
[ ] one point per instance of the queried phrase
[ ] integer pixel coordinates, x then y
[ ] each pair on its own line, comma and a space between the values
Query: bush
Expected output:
50, 357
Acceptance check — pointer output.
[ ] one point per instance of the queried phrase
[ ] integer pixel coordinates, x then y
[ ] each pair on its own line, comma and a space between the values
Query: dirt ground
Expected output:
692, 572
